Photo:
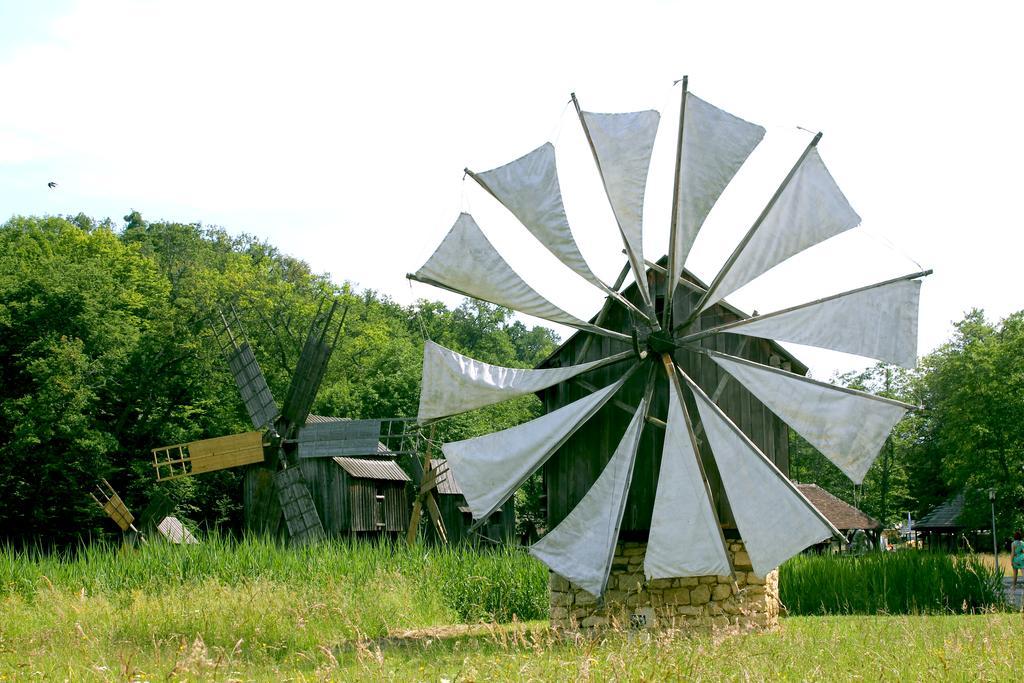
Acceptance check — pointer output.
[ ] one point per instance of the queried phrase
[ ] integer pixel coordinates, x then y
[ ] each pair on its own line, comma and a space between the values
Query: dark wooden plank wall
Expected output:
260, 507
574, 468
345, 504
500, 527
327, 483
455, 523
364, 509
396, 506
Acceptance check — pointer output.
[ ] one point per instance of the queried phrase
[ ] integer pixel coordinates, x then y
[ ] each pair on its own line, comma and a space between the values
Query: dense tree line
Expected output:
107, 351
969, 436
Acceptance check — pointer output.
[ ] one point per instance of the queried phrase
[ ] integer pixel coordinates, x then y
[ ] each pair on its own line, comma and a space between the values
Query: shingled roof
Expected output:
944, 517
842, 515
381, 470
447, 486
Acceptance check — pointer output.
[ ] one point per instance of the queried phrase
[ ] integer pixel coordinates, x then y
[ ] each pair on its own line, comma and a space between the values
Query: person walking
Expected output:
1017, 556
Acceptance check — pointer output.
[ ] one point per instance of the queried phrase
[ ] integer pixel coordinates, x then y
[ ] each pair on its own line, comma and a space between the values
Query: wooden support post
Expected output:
425, 497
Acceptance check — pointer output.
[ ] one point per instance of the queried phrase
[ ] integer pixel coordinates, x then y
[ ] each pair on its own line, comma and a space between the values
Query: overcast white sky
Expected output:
339, 131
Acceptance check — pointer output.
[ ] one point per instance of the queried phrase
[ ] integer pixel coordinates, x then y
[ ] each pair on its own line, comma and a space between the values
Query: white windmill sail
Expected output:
878, 322
582, 546
685, 539
490, 468
849, 427
454, 383
774, 519
810, 209
528, 187
715, 145
622, 145
467, 263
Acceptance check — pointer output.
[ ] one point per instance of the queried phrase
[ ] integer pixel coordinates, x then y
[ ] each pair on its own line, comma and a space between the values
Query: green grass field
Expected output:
249, 611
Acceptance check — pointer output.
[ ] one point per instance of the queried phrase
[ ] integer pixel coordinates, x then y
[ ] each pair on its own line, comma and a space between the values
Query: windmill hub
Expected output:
661, 342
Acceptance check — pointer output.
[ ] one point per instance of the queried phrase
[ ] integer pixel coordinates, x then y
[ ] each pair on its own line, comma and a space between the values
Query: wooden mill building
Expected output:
364, 497
569, 474
500, 527
843, 516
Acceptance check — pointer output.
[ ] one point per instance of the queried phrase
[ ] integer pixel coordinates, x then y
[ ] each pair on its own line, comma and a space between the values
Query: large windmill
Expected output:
650, 364
282, 435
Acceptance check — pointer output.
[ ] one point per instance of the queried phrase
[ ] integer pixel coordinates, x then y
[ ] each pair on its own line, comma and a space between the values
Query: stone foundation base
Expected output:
702, 603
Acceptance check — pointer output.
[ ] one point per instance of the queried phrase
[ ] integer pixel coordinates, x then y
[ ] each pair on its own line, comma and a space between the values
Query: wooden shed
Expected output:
365, 496
843, 516
569, 474
500, 527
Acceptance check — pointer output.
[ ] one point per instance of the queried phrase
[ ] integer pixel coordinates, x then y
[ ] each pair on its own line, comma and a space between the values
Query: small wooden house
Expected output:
843, 516
365, 496
500, 527
573, 469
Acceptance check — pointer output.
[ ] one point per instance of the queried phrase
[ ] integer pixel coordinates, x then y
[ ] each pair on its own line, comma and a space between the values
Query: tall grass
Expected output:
906, 582
476, 584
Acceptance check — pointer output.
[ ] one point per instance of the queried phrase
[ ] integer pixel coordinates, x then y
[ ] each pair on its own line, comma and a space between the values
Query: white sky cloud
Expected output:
339, 131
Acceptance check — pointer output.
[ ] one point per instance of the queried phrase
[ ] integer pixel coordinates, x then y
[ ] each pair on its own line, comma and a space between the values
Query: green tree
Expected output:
106, 351
74, 303
974, 391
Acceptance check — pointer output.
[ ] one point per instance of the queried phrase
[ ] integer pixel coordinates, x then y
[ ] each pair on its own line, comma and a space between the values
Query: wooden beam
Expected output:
621, 405
673, 381
750, 233
723, 382
727, 326
673, 238
634, 260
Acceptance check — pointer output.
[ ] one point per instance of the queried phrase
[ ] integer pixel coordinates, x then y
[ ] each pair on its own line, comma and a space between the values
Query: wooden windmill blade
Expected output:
111, 503
300, 513
252, 384
208, 455
311, 366
235, 450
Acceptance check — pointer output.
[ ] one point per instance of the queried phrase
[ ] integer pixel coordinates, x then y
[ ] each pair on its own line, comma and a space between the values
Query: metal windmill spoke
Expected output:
670, 371
603, 313
683, 490
584, 327
582, 546
556, 238
849, 427
454, 383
